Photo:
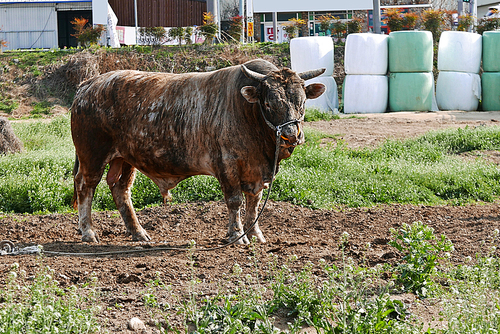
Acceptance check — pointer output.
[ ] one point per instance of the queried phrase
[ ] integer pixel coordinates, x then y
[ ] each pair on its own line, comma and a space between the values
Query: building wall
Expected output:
159, 13
33, 25
29, 26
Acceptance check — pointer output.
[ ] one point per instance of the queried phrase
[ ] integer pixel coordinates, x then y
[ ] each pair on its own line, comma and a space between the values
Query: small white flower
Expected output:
237, 269
14, 266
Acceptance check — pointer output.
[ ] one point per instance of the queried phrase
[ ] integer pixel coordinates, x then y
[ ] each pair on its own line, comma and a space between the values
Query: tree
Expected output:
86, 34
394, 19
209, 28
292, 27
236, 28
188, 32
338, 27
177, 33
433, 20
354, 26
409, 21
465, 22
488, 24
152, 35
325, 23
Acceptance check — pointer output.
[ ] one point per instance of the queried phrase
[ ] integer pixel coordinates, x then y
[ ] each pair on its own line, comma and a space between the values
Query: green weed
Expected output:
421, 251
41, 108
8, 105
42, 306
313, 114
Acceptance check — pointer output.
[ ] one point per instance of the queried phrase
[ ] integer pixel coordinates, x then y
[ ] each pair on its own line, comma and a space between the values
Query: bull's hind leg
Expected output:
252, 208
120, 178
86, 180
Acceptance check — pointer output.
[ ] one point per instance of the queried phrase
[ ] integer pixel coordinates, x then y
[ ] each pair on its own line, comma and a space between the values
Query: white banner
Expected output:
113, 35
269, 33
267, 6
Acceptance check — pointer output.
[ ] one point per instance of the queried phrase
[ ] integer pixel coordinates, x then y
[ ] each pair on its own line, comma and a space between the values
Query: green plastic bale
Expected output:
491, 91
491, 51
410, 51
410, 91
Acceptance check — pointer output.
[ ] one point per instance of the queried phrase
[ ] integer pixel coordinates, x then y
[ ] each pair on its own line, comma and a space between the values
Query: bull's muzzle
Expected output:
292, 135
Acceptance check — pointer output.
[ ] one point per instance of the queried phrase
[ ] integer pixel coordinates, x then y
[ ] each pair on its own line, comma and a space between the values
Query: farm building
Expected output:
28, 24
40, 24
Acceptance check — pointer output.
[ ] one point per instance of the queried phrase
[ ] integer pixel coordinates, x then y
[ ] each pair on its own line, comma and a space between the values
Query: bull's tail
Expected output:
74, 200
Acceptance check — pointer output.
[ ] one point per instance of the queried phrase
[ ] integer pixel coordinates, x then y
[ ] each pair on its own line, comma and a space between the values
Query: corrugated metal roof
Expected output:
39, 1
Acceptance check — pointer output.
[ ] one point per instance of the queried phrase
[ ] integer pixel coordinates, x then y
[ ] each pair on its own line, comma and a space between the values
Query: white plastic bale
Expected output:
458, 91
460, 51
310, 53
329, 100
366, 53
365, 94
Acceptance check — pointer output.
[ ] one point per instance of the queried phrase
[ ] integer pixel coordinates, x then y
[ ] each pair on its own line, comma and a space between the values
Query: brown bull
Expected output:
173, 126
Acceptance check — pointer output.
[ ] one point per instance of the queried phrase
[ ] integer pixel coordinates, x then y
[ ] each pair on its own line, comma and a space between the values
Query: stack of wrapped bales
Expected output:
491, 68
366, 86
310, 53
411, 83
459, 60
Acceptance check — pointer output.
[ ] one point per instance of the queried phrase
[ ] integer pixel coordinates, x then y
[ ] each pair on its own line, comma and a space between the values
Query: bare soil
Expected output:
308, 234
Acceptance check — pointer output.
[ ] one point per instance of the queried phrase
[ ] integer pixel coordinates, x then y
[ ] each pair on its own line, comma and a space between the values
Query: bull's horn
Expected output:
252, 74
311, 74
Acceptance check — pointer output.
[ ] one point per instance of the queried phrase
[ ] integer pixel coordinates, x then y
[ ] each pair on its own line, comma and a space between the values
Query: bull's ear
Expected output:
250, 94
315, 90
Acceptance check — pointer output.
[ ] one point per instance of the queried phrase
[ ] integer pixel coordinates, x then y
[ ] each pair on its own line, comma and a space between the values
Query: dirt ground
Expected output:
290, 230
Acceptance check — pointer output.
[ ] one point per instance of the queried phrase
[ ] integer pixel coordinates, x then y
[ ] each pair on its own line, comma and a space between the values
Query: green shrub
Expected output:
421, 251
41, 306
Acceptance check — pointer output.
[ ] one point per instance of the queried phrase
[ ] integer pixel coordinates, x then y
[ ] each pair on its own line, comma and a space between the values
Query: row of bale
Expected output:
394, 72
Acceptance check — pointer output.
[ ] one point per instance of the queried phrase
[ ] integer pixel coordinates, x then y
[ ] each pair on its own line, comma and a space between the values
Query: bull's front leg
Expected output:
85, 192
252, 208
234, 200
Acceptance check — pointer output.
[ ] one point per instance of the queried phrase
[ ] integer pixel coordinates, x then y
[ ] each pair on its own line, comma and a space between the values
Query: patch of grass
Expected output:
313, 115
31, 61
41, 306
8, 105
41, 108
425, 170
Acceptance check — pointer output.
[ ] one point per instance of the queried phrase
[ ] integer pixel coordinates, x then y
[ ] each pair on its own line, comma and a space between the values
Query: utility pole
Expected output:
242, 14
473, 4
212, 7
376, 17
136, 24
275, 27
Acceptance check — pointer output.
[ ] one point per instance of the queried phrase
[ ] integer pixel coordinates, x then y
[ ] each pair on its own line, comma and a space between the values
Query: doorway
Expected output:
65, 28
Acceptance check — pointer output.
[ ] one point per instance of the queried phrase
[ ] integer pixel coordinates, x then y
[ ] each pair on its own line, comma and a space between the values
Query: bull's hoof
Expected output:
242, 241
258, 235
142, 235
90, 236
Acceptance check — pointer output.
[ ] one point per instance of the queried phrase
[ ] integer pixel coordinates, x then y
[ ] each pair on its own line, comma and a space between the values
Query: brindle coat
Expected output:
173, 126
